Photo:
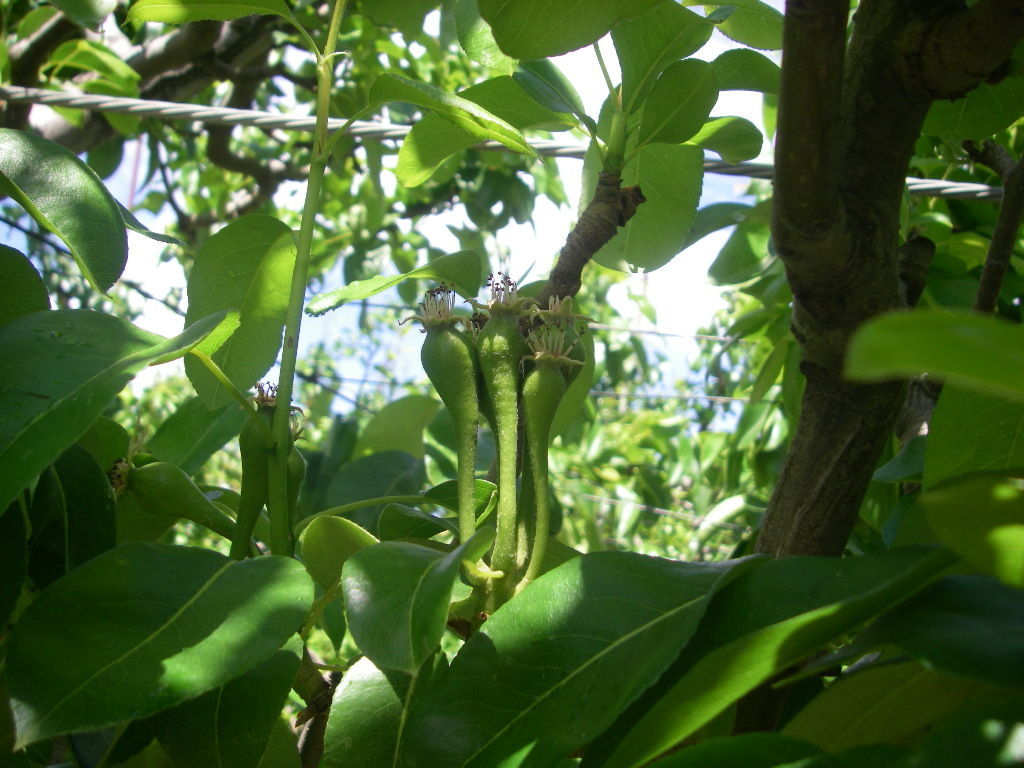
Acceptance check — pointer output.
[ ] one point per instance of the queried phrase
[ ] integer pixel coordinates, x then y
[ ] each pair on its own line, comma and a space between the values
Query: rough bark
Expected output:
848, 119
611, 207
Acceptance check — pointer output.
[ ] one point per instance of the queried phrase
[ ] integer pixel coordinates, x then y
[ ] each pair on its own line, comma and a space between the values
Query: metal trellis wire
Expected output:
168, 110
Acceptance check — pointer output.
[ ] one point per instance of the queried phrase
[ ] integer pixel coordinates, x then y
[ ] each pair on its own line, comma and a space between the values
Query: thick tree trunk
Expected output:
848, 120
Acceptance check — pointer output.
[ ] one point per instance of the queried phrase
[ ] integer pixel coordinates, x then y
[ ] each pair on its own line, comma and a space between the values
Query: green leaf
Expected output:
67, 198
527, 29
714, 217
461, 270
390, 473
744, 70
734, 138
87, 13
139, 228
752, 23
966, 625
90, 523
507, 98
555, 655
750, 750
975, 351
973, 432
405, 15
891, 703
156, 623
327, 543
230, 726
982, 520
648, 43
107, 441
680, 102
447, 495
477, 39
21, 290
397, 596
398, 426
546, 84
984, 111
670, 177
92, 56
744, 254
181, 11
424, 149
466, 114
398, 521
434, 139
905, 466
193, 433
750, 635
59, 370
13, 568
245, 267
366, 711
985, 734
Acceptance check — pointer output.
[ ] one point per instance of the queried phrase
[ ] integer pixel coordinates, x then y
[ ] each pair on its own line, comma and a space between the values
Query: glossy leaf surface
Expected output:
477, 39
398, 426
365, 714
433, 139
193, 433
549, 87
671, 178
59, 370
230, 725
22, 291
752, 634
982, 520
734, 138
889, 703
327, 543
680, 102
245, 268
466, 114
744, 70
397, 596
181, 11
67, 198
984, 111
973, 432
461, 270
753, 23
159, 624
967, 625
649, 43
546, 668
529, 30
750, 750
90, 521
977, 352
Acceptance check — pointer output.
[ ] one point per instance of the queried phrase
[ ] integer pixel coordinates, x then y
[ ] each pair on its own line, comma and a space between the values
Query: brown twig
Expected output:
1011, 212
611, 207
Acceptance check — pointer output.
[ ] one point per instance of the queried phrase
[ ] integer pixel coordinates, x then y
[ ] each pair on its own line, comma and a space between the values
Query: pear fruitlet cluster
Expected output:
511, 361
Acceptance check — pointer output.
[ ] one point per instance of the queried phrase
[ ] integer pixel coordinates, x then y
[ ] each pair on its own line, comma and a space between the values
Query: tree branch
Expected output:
27, 57
1011, 213
965, 48
612, 207
806, 211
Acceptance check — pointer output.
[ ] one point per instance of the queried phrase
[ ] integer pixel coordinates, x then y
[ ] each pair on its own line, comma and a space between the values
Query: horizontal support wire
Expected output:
169, 110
